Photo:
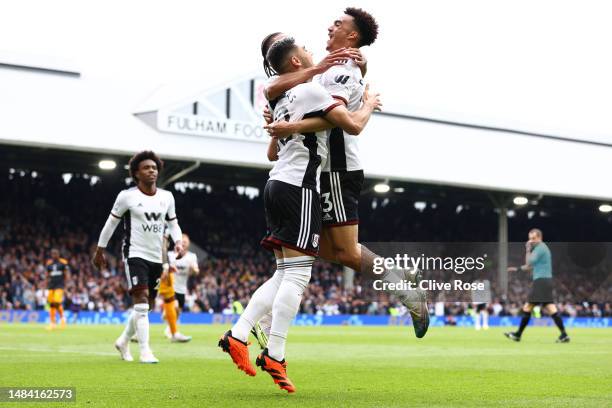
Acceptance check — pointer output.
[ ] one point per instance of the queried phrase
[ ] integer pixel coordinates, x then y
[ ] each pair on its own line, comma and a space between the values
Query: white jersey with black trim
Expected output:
343, 82
300, 155
144, 217
188, 263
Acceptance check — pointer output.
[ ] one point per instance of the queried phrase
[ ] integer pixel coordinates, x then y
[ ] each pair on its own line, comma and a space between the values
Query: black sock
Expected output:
559, 322
524, 322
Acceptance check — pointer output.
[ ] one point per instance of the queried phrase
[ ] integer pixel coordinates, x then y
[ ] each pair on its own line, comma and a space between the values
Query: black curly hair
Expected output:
366, 25
135, 161
265, 46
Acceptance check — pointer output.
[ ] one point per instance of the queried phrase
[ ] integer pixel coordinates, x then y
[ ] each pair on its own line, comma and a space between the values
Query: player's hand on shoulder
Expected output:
371, 99
334, 58
356, 55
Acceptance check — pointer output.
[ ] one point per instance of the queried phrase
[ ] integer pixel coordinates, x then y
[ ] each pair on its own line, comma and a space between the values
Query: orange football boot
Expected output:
276, 369
238, 351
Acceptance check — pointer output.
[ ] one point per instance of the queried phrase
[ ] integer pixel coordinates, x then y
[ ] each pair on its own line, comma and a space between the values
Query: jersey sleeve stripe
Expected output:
171, 219
116, 216
332, 106
340, 98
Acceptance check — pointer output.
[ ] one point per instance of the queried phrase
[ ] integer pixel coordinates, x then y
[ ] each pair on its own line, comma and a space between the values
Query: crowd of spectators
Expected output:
46, 212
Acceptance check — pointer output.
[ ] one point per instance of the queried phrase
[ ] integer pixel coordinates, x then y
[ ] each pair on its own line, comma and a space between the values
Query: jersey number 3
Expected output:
327, 204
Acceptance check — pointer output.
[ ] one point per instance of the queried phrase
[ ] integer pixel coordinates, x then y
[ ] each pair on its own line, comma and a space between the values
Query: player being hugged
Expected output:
144, 210
341, 74
293, 211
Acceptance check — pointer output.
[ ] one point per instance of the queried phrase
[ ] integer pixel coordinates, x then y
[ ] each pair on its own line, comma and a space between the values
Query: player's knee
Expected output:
299, 279
140, 296
141, 308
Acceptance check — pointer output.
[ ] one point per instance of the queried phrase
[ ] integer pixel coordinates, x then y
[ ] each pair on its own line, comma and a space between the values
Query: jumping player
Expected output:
342, 176
57, 274
538, 260
144, 210
293, 212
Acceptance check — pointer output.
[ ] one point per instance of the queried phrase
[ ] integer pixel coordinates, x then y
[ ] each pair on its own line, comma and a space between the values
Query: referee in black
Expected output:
538, 260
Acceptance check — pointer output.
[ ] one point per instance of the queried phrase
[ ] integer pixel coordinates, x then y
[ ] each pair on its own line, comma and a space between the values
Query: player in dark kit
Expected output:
538, 260
57, 273
144, 209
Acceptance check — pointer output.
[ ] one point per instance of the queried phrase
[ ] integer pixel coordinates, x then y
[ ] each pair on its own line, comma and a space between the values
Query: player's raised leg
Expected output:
357, 256
235, 341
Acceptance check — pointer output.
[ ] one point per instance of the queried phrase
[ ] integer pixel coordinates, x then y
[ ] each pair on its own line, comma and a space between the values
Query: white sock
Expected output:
287, 302
260, 304
129, 330
266, 323
141, 321
485, 318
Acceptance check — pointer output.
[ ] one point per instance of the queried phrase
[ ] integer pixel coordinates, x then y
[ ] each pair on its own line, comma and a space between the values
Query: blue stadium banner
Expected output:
19, 316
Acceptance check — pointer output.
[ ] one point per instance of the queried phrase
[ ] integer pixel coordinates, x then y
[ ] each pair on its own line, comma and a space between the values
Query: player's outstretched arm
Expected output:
287, 81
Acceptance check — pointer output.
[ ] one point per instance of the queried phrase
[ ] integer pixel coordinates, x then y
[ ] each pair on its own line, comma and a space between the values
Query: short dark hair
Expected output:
265, 46
135, 161
537, 231
366, 25
278, 52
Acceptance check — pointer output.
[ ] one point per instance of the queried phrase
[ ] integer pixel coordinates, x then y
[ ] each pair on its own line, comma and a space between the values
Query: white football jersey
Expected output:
343, 82
144, 217
184, 266
300, 155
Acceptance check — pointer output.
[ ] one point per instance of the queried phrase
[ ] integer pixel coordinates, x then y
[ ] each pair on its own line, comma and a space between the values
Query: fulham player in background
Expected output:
144, 210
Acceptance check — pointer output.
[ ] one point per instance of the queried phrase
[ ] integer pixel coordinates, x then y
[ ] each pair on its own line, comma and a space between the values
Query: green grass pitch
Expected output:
330, 366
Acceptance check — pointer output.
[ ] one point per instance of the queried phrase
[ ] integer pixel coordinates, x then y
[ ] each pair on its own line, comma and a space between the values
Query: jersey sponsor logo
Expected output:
341, 79
152, 216
153, 227
315, 240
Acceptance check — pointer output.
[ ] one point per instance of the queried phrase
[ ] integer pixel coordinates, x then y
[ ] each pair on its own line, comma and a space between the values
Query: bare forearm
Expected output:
287, 81
311, 125
361, 117
273, 149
